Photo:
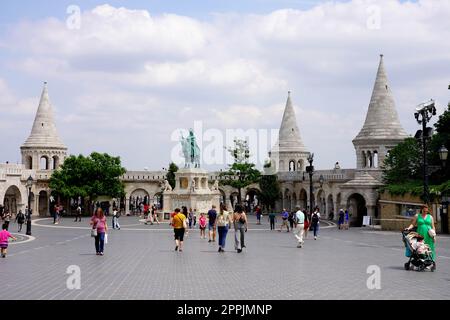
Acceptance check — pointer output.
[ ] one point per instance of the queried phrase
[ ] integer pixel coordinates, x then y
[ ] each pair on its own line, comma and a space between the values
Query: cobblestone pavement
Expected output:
140, 263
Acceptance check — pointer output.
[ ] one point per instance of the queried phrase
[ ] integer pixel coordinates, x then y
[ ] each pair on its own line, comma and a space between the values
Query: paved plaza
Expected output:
140, 263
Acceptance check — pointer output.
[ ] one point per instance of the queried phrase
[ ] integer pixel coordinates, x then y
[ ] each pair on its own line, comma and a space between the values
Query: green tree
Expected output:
171, 174
403, 164
270, 190
89, 177
441, 138
241, 173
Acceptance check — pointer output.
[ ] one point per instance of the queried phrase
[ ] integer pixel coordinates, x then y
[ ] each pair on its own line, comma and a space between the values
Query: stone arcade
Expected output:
355, 189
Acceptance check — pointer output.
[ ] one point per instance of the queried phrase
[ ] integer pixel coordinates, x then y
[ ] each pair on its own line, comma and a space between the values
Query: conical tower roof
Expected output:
44, 133
289, 135
382, 121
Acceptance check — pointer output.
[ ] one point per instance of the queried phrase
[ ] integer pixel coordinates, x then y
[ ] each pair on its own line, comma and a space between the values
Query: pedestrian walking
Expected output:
4, 239
191, 217
284, 219
272, 220
98, 223
315, 220
300, 227
20, 219
240, 227
424, 224
195, 217
6, 220
224, 221
202, 226
341, 219
291, 219
258, 214
179, 227
115, 219
155, 214
78, 214
212, 216
347, 220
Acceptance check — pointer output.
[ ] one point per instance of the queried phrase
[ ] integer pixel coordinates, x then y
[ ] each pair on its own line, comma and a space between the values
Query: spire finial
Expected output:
289, 93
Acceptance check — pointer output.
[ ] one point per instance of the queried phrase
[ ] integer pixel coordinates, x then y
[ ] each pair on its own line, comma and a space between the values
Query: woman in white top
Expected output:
224, 221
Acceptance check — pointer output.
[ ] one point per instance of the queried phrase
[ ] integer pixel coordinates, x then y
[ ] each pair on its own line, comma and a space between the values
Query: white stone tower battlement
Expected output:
43, 150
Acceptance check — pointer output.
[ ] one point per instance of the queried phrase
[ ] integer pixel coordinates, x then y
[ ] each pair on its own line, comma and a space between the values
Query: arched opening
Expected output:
29, 162
12, 201
138, 199
287, 200
330, 207
294, 200
251, 200
43, 163
364, 159
356, 205
291, 166
339, 202
375, 159
158, 200
55, 162
369, 160
234, 199
300, 165
43, 203
303, 199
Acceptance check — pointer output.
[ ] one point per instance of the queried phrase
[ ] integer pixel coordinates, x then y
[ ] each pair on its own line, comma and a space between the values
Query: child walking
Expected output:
4, 237
202, 225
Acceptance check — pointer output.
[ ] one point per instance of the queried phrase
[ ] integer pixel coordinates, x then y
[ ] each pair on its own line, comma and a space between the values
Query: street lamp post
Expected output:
310, 171
443, 154
29, 184
425, 111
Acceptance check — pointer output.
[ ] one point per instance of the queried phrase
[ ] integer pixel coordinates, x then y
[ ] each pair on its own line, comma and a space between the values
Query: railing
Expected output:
328, 175
144, 176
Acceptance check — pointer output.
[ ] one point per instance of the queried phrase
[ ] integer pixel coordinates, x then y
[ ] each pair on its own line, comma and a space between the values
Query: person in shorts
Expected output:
4, 237
212, 216
284, 220
202, 226
179, 227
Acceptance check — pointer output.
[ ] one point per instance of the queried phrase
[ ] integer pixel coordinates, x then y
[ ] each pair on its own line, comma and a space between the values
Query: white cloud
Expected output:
128, 75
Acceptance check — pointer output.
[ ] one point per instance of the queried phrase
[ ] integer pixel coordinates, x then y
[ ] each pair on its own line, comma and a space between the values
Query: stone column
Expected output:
127, 205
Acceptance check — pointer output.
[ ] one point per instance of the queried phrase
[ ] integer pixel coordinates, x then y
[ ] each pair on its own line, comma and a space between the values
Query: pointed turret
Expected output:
382, 119
44, 141
289, 153
44, 133
382, 130
289, 135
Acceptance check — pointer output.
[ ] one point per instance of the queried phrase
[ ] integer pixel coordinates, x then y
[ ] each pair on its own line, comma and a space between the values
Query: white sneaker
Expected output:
315, 238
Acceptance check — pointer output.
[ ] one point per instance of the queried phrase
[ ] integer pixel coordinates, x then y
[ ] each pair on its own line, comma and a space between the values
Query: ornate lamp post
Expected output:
425, 111
310, 171
443, 154
29, 184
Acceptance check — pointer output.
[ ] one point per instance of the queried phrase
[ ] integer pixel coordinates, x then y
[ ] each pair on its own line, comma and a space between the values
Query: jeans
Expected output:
316, 229
222, 235
299, 233
100, 242
239, 232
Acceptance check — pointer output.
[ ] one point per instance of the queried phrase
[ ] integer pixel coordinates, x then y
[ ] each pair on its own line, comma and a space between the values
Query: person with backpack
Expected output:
223, 223
78, 214
341, 219
212, 216
6, 220
291, 219
315, 218
20, 219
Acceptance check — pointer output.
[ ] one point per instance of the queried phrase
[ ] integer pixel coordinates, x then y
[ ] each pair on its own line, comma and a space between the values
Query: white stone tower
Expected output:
43, 150
289, 153
382, 130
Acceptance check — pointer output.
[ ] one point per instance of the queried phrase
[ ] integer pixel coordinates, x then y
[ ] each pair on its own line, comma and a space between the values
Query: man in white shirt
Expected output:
300, 225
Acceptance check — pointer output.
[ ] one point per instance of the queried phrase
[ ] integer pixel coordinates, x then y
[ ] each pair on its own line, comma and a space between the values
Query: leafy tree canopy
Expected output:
270, 190
91, 176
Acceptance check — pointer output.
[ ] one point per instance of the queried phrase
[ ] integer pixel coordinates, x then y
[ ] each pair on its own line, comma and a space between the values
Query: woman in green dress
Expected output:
424, 222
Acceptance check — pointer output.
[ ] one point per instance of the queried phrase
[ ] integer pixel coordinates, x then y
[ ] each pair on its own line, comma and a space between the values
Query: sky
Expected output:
124, 77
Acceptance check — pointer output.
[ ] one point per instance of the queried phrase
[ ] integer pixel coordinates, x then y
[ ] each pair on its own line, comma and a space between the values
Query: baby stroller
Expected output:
419, 253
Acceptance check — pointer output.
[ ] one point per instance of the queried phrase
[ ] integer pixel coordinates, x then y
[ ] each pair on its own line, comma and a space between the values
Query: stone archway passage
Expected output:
356, 205
43, 203
12, 200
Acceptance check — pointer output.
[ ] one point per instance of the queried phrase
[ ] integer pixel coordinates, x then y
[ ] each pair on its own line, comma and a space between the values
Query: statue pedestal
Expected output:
192, 191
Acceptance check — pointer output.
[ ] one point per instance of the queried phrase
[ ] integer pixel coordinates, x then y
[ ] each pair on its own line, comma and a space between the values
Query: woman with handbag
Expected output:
424, 223
99, 230
179, 225
223, 223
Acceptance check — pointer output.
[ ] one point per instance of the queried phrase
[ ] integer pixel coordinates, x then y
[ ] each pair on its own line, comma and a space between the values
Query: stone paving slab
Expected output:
140, 263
